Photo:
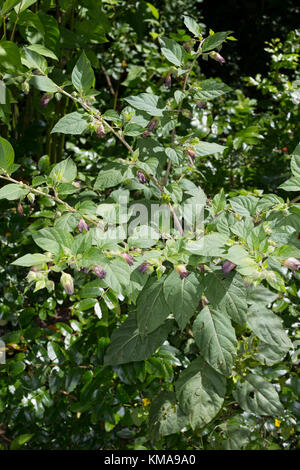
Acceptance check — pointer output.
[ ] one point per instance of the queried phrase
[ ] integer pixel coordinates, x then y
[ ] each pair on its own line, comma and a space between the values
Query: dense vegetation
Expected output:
150, 231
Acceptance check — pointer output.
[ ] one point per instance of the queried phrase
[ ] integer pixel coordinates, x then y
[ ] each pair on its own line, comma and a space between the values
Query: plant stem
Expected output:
41, 193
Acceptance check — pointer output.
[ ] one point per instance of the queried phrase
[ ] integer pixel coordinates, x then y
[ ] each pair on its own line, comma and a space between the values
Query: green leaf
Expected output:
133, 129
172, 51
72, 123
92, 289
108, 179
165, 416
244, 205
128, 345
83, 75
210, 89
42, 50
211, 245
227, 293
200, 391
152, 104
12, 192
258, 396
64, 172
51, 239
33, 60
31, 260
9, 5
10, 59
54, 352
43, 84
192, 25
152, 308
206, 148
214, 40
182, 296
215, 337
117, 274
295, 164
173, 155
67, 221
260, 295
111, 115
269, 354
154, 10
293, 184
7, 154
267, 326
19, 441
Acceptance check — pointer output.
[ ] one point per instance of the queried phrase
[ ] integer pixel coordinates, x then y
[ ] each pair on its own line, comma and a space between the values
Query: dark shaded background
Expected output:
253, 23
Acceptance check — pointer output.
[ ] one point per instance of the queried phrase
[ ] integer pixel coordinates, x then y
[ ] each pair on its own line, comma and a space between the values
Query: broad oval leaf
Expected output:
152, 308
215, 337
256, 395
200, 391
129, 345
227, 293
12, 192
72, 123
182, 296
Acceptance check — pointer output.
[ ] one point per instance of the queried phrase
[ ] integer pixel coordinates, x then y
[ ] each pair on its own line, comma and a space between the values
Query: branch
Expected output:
42, 193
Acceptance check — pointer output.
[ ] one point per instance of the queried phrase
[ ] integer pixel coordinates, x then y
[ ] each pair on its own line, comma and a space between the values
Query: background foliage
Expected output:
197, 349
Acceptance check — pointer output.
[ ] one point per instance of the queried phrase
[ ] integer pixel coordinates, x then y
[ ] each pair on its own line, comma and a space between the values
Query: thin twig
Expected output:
111, 88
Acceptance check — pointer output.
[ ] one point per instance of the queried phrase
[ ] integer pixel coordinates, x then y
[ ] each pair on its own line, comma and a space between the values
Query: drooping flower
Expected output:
201, 104
182, 271
20, 210
228, 266
99, 271
152, 124
168, 80
143, 268
216, 56
100, 131
67, 283
292, 263
191, 153
45, 99
141, 177
82, 226
128, 258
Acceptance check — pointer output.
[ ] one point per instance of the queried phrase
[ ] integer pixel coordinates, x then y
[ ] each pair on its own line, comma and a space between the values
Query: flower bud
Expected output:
146, 133
228, 266
99, 271
100, 131
182, 271
187, 46
141, 177
45, 99
128, 258
191, 153
25, 88
168, 80
201, 104
216, 56
292, 263
31, 198
82, 226
144, 267
20, 210
67, 283
152, 124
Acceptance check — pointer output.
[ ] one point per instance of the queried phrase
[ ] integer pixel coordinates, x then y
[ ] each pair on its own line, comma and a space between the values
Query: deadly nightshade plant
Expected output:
201, 295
